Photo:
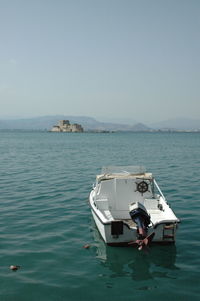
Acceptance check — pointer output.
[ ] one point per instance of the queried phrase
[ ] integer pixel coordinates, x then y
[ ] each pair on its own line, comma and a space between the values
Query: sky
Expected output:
107, 59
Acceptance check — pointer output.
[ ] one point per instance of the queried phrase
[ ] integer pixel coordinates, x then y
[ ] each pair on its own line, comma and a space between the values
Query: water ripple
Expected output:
45, 219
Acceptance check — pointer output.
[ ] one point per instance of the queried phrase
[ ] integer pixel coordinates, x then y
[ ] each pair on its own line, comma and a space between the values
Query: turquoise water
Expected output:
45, 220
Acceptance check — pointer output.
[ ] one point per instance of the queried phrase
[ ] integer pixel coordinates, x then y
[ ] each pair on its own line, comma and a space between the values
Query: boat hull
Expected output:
164, 233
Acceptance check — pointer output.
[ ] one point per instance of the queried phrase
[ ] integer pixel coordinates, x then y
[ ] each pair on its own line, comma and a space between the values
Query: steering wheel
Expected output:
142, 187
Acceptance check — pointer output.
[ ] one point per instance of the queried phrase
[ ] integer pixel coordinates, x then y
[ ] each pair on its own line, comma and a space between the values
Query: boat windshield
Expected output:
123, 170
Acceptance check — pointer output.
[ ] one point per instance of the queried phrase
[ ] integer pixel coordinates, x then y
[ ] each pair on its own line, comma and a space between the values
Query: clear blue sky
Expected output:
101, 58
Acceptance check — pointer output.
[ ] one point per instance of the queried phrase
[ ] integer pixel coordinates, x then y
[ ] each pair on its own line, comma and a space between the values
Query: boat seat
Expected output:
151, 204
102, 204
108, 215
157, 216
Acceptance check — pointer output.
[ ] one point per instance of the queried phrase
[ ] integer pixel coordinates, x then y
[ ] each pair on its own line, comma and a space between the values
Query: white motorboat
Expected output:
128, 207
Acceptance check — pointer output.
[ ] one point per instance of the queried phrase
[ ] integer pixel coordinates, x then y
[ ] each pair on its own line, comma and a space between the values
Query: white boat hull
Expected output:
164, 232
130, 234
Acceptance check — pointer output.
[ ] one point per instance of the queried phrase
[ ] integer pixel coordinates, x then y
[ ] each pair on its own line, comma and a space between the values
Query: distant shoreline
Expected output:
90, 124
98, 131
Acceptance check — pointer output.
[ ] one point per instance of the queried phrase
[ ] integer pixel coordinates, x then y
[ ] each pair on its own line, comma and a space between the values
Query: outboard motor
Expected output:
141, 217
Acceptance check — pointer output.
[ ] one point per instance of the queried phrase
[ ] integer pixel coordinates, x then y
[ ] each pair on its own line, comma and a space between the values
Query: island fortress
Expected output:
65, 126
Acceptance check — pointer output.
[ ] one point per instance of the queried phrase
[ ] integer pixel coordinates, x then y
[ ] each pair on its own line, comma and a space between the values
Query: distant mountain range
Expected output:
47, 122
89, 123
178, 124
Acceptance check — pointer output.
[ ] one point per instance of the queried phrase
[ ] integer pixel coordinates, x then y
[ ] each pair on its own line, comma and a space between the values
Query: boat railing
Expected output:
159, 190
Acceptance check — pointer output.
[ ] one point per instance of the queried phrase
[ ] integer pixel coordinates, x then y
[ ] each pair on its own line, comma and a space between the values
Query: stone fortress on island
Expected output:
65, 126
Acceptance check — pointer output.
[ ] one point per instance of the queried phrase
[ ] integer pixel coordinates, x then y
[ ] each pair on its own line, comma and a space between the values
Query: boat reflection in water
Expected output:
156, 262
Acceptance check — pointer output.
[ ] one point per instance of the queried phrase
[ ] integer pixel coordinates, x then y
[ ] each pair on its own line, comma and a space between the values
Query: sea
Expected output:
45, 219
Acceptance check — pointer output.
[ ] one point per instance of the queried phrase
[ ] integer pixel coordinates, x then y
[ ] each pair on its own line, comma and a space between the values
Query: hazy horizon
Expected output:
130, 60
